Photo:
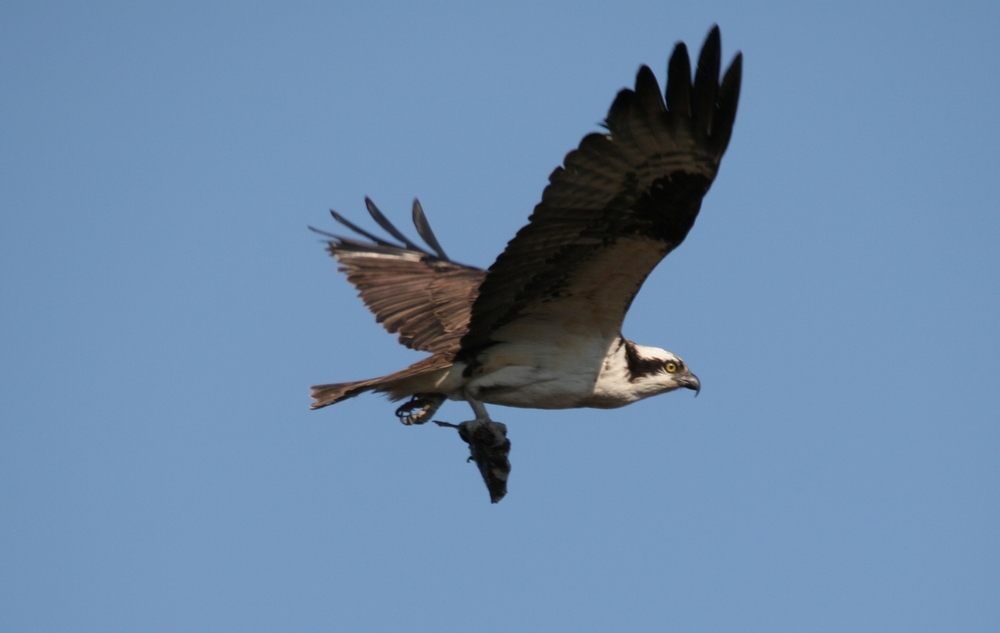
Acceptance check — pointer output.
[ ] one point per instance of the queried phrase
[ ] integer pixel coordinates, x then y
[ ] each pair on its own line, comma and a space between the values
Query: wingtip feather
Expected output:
389, 227
425, 231
706, 81
647, 91
728, 100
679, 82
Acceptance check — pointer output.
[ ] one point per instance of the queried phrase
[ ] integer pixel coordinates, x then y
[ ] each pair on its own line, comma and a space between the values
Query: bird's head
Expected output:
654, 371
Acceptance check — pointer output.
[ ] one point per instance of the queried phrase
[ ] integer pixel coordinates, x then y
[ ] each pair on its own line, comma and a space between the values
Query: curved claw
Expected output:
419, 408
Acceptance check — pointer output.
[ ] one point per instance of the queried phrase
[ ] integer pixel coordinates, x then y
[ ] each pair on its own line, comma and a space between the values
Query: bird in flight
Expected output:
541, 328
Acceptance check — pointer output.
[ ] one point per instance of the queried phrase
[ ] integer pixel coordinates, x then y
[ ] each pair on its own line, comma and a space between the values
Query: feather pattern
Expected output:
629, 195
425, 298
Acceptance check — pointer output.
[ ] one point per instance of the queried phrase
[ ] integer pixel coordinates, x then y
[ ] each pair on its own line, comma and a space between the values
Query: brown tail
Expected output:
398, 385
332, 394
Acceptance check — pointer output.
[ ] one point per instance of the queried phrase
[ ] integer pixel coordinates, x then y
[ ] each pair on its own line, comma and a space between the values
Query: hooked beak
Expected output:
692, 382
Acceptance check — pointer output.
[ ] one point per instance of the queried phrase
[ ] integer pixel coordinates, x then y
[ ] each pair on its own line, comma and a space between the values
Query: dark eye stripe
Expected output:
639, 366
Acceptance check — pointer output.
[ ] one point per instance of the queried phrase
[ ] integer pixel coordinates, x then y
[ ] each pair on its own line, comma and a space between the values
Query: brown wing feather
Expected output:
424, 298
619, 204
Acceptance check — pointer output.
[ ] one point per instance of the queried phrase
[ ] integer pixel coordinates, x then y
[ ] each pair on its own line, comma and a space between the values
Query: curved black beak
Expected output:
692, 382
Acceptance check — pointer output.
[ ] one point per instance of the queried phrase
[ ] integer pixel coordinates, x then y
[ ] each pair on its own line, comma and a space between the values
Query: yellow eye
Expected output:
671, 367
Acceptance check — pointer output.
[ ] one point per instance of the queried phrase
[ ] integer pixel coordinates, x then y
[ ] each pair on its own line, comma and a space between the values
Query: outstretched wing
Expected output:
426, 298
619, 204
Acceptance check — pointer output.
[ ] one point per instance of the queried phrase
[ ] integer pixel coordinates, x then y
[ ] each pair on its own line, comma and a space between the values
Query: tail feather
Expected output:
402, 384
325, 395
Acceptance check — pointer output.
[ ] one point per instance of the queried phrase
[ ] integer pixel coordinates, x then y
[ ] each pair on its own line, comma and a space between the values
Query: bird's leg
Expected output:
478, 408
488, 447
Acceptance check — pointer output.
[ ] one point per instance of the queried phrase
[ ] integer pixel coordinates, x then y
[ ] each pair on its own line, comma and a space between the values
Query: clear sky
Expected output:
163, 310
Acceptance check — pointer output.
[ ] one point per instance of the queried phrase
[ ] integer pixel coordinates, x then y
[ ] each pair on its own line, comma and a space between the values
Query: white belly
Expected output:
559, 374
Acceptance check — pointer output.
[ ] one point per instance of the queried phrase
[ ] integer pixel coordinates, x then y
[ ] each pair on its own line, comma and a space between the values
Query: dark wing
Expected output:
619, 204
426, 298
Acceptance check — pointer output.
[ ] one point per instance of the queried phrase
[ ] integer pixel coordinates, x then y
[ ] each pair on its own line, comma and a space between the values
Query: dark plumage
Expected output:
646, 177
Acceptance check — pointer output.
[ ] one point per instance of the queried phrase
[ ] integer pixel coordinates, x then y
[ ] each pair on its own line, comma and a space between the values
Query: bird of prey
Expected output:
541, 328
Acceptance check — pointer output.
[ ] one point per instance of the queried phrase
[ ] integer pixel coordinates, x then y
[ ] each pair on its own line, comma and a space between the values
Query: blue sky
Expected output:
163, 310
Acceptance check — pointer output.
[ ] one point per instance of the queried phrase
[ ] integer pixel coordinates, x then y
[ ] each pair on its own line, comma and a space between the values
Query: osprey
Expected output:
541, 328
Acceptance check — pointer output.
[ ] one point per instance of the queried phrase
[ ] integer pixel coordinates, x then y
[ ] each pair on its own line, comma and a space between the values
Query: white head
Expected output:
652, 371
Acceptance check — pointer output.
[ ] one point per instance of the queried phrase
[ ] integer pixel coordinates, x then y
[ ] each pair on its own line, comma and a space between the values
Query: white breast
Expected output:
557, 373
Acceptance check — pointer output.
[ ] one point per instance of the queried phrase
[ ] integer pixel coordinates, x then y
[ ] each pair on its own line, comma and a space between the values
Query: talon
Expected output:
425, 405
